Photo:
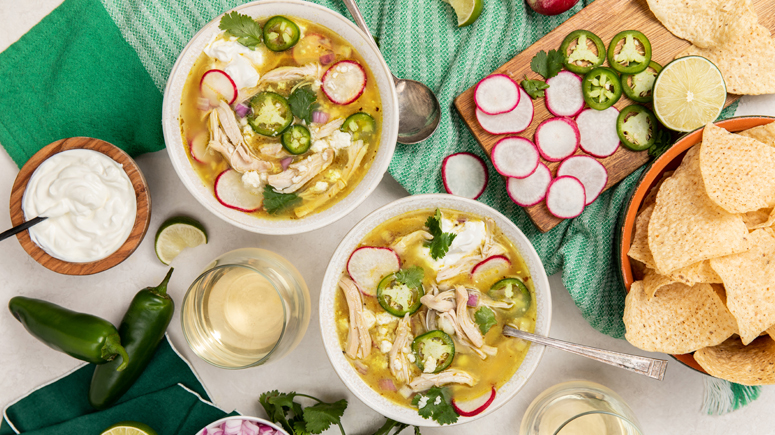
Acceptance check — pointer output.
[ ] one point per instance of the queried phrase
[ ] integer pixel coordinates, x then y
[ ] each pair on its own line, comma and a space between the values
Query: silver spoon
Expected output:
651, 367
419, 111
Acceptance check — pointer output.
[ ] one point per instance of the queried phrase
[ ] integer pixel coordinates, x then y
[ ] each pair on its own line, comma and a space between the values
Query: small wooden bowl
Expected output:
666, 162
142, 219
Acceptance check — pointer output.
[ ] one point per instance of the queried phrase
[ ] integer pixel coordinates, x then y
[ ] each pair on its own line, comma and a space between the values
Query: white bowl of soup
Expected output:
280, 117
413, 304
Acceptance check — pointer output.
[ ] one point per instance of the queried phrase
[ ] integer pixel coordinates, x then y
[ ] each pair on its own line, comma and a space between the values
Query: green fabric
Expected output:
165, 397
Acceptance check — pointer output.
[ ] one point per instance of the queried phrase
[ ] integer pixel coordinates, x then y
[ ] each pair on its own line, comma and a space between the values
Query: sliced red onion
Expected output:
241, 110
386, 385
473, 299
203, 104
319, 117
361, 367
216, 431
249, 428
327, 58
286, 162
232, 427
265, 430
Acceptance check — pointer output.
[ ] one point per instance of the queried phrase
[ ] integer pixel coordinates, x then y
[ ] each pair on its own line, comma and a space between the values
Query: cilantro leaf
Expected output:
302, 102
547, 65
394, 426
485, 318
436, 404
412, 277
441, 241
663, 143
321, 415
275, 202
534, 88
245, 28
275, 404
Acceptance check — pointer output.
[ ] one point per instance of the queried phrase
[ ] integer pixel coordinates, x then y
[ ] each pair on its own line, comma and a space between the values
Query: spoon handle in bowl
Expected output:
357, 16
651, 367
19, 228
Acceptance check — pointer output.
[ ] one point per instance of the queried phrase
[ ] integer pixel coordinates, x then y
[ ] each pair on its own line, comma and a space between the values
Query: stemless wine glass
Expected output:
579, 408
248, 307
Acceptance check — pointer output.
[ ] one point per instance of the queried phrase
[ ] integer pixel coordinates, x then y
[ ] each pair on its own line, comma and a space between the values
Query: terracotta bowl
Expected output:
142, 219
667, 162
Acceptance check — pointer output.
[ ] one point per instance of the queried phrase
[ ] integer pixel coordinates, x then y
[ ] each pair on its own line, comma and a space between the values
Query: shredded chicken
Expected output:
358, 338
325, 130
490, 302
311, 71
403, 243
441, 302
299, 173
450, 376
274, 150
226, 138
398, 361
491, 248
464, 320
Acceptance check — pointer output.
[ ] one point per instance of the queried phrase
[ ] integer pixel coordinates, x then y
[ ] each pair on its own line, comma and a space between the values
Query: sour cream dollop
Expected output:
89, 201
470, 237
241, 62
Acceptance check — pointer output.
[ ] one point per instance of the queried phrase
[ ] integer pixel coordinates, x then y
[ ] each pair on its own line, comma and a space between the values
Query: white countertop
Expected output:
668, 407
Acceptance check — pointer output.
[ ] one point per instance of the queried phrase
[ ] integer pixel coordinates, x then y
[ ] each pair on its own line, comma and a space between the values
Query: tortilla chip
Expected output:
759, 219
696, 273
744, 59
748, 365
749, 280
763, 133
686, 227
679, 319
738, 172
651, 197
653, 281
639, 248
706, 23
771, 332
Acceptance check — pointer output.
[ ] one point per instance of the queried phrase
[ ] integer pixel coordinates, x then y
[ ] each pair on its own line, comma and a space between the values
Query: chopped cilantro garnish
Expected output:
485, 318
302, 102
441, 241
534, 88
275, 202
547, 65
411, 277
245, 28
436, 404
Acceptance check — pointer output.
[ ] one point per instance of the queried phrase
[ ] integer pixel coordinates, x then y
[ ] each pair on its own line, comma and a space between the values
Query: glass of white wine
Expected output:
248, 307
579, 408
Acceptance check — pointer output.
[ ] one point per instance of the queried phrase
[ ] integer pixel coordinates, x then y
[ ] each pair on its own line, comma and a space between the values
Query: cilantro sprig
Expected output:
663, 142
245, 28
547, 65
485, 318
275, 202
412, 276
441, 241
436, 404
302, 102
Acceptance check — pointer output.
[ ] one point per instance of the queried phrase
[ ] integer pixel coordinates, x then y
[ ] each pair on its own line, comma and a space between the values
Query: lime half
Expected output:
467, 11
177, 234
129, 428
688, 93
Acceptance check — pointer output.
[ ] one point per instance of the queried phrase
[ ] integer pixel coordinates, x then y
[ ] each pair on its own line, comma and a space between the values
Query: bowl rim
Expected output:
419, 202
243, 417
142, 196
649, 178
171, 131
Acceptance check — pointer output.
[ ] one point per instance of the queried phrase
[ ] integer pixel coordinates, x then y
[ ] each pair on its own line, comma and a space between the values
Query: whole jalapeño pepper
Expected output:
141, 331
83, 336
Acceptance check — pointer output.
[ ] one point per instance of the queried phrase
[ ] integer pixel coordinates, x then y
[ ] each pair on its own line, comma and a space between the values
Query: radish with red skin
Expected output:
515, 121
198, 146
592, 174
527, 192
598, 131
557, 138
496, 264
515, 157
470, 408
497, 94
230, 192
551, 7
217, 86
344, 82
565, 198
564, 96
369, 264
464, 174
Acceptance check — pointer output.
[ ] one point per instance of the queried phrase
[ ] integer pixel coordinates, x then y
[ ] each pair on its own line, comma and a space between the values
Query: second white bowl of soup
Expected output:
413, 304
280, 117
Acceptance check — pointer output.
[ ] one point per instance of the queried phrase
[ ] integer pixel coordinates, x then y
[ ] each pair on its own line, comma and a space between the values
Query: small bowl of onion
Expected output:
242, 425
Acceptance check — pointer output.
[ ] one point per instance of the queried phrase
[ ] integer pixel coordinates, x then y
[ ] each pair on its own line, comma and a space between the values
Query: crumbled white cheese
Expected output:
319, 187
411, 357
253, 180
397, 364
385, 346
422, 402
340, 140
429, 365
386, 319
437, 401
368, 318
319, 146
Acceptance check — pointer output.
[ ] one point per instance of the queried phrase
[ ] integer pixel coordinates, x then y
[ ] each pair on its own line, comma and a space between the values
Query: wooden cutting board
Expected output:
605, 18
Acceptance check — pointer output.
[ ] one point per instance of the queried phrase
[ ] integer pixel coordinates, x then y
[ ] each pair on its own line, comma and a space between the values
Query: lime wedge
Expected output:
177, 234
688, 93
129, 428
467, 11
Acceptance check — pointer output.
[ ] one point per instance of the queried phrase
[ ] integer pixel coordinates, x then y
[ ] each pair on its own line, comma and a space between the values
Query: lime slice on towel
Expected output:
129, 428
177, 234
467, 11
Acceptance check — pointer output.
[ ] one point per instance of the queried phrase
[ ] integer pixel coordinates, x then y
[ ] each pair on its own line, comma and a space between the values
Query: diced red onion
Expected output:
241, 110
232, 427
249, 428
265, 430
386, 385
204, 431
327, 58
216, 431
203, 104
473, 299
361, 367
319, 117
286, 162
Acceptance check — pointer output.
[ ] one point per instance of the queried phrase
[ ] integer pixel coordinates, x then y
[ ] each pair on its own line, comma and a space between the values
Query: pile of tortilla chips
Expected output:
728, 33
704, 245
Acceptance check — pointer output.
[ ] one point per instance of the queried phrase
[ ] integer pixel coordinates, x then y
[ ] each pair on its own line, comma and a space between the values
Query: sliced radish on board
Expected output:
515, 157
230, 192
464, 174
530, 191
344, 82
592, 174
496, 94
598, 131
494, 265
368, 265
217, 86
199, 151
470, 408
565, 198
564, 96
515, 121
557, 138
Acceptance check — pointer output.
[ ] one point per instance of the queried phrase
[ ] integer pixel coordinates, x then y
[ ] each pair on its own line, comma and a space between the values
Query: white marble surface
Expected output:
668, 407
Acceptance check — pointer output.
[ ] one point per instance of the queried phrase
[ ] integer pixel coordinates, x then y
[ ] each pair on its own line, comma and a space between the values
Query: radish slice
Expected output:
344, 82
199, 150
368, 265
557, 138
496, 94
564, 96
464, 174
474, 407
494, 265
592, 174
565, 198
598, 131
515, 157
217, 86
530, 191
515, 121
230, 192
